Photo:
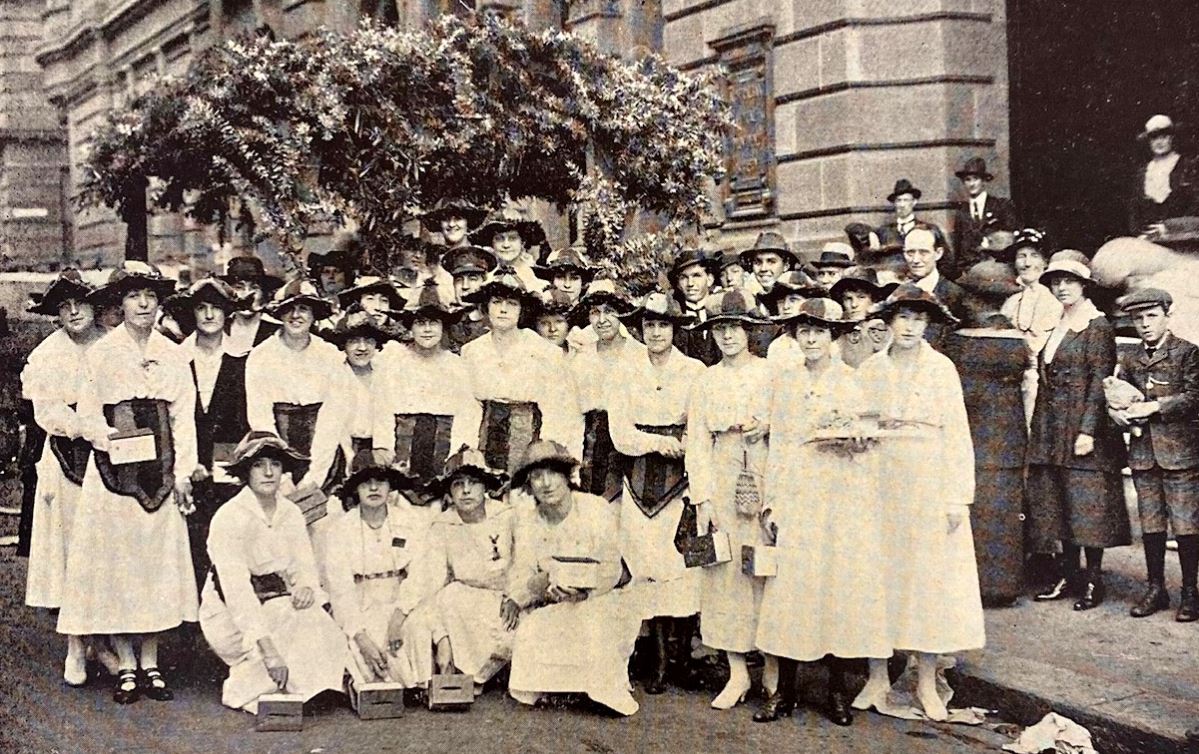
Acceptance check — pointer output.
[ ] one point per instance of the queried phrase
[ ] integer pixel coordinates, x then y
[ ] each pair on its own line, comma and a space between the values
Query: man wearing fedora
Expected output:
1167, 185
768, 258
980, 214
692, 276
904, 198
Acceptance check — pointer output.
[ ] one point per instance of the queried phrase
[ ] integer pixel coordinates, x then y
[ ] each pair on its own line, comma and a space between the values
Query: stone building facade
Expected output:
835, 98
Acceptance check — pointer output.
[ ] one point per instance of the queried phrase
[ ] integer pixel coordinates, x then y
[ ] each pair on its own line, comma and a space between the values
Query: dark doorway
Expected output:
1085, 76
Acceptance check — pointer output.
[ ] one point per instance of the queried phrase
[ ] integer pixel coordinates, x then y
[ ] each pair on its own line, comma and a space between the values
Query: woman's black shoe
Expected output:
1061, 589
1092, 595
774, 708
1156, 598
126, 691
838, 709
154, 686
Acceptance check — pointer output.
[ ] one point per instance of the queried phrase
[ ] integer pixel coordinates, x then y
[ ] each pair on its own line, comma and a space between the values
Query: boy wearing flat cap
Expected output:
1164, 454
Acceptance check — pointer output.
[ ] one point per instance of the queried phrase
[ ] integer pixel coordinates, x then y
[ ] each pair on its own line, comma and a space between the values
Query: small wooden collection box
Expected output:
280, 712
133, 446
451, 691
708, 550
377, 701
759, 560
575, 572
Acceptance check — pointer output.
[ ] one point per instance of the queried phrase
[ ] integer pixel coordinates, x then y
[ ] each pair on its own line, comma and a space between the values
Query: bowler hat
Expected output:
770, 241
544, 454
251, 268
1145, 298
257, 444
903, 186
68, 285
975, 166
911, 296
835, 254
467, 462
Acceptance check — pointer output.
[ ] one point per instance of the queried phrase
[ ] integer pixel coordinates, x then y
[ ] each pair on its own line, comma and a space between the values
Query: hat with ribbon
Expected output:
911, 296
862, 279
505, 283
975, 166
690, 258
570, 259
132, 275
356, 323
257, 444
251, 269
660, 306
1068, 263
819, 312
371, 281
1025, 238
791, 282
299, 291
206, 290
531, 232
363, 469
770, 241
1158, 124
467, 462
735, 306
544, 454
68, 285
464, 260
835, 254
903, 186
452, 208
427, 302
602, 292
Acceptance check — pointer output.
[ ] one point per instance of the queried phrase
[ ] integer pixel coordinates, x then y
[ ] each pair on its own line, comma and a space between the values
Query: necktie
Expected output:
1150, 350
976, 209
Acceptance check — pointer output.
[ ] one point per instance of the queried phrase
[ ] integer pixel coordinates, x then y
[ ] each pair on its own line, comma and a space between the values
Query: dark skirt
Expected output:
1077, 506
997, 518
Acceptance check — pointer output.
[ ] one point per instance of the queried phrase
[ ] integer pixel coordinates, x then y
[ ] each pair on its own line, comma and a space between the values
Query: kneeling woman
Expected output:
261, 605
822, 500
568, 639
371, 558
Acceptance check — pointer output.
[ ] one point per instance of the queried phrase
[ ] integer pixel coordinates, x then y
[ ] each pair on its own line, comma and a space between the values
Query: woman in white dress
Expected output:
375, 585
51, 380
568, 639
648, 418
926, 485
726, 429
469, 555
822, 506
261, 606
129, 570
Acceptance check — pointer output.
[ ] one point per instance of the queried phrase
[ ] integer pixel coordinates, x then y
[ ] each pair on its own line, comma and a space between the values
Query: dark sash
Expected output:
72, 456
655, 480
602, 466
507, 430
422, 443
149, 481
297, 425
267, 586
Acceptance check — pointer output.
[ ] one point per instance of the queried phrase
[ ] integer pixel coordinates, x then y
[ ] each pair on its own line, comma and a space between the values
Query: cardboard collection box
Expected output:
377, 701
451, 691
575, 572
280, 712
759, 560
133, 446
708, 550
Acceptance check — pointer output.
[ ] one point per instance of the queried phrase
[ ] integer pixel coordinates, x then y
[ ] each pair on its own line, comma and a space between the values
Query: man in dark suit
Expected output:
921, 252
1163, 450
904, 197
979, 215
693, 276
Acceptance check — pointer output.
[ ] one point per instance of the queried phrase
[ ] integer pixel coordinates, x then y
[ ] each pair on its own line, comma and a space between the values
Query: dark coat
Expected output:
998, 214
1070, 402
225, 420
1183, 200
1170, 439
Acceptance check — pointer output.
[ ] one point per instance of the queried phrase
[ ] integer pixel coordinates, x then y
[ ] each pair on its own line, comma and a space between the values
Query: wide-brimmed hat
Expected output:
769, 241
257, 444
975, 166
554, 301
68, 285
862, 279
452, 208
345, 250
1158, 124
463, 260
365, 468
251, 268
1068, 263
299, 291
356, 323
835, 254
572, 258
726, 258
709, 262
911, 296
504, 283
990, 278
469, 462
734, 306
792, 281
1021, 239
658, 305
206, 290
599, 292
531, 232
544, 454
371, 281
132, 275
903, 186
820, 311
427, 302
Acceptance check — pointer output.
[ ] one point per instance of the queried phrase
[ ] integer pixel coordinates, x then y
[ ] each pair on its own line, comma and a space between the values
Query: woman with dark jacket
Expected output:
1075, 452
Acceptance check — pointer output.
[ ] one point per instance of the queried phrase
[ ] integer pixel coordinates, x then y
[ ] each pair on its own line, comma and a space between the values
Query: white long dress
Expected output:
651, 396
374, 572
129, 570
828, 596
724, 399
581, 647
931, 575
51, 380
242, 542
473, 561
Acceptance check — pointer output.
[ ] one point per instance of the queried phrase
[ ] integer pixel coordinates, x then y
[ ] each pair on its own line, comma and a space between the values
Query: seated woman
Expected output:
372, 556
568, 639
470, 550
261, 606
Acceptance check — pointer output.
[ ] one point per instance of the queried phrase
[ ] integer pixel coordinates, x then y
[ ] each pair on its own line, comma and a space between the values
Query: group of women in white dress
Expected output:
378, 509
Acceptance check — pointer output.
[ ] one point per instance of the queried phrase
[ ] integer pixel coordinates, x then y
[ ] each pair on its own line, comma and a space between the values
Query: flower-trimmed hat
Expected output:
371, 281
572, 258
206, 290
835, 254
820, 311
862, 279
911, 296
257, 444
504, 284
977, 167
660, 306
452, 208
544, 454
769, 241
903, 186
792, 281
467, 462
364, 468
531, 232
426, 302
68, 285
299, 291
734, 306
250, 268
1068, 263
464, 260
356, 323
688, 258
553, 301
132, 275
1025, 238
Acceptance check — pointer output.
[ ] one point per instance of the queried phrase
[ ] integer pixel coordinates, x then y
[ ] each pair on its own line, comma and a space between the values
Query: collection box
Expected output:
575, 572
133, 446
451, 691
759, 560
377, 701
707, 550
280, 712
